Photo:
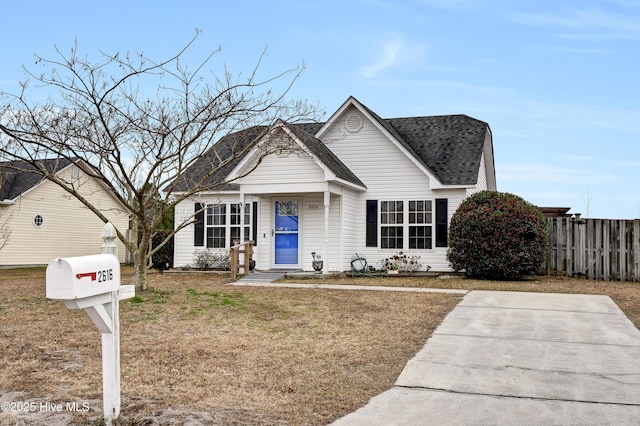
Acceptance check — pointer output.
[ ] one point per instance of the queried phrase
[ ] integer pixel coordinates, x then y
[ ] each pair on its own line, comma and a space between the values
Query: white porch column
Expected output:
242, 212
241, 256
327, 200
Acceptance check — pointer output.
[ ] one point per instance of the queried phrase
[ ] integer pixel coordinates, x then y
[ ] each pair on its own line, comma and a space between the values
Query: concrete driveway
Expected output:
519, 358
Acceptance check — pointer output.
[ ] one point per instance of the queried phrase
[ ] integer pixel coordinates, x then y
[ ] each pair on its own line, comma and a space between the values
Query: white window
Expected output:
235, 216
420, 224
406, 228
224, 224
391, 224
216, 221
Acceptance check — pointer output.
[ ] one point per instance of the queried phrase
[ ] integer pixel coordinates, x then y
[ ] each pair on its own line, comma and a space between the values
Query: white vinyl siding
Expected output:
389, 174
350, 217
68, 229
183, 248
380, 165
482, 184
278, 169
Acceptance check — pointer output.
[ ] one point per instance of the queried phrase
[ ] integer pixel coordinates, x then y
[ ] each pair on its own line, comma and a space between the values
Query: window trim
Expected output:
405, 226
205, 224
211, 226
394, 214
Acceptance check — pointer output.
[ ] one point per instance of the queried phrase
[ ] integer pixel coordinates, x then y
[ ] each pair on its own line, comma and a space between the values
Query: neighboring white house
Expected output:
354, 184
42, 221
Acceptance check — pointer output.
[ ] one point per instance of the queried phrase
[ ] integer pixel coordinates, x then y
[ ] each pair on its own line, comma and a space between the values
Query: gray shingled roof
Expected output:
324, 154
450, 146
226, 148
236, 142
17, 177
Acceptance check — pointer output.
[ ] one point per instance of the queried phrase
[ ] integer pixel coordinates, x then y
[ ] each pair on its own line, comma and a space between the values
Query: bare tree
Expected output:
138, 144
5, 230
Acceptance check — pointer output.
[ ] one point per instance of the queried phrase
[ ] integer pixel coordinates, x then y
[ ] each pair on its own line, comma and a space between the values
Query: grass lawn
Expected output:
195, 349
625, 294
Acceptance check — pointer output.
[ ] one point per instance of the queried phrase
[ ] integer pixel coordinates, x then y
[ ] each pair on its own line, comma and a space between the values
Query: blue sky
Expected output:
557, 80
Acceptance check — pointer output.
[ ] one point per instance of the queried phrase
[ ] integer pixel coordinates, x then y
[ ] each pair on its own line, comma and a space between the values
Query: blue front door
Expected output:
286, 233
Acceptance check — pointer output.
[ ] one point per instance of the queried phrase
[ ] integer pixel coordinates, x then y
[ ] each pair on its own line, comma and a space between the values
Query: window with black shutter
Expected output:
198, 226
254, 223
441, 222
372, 223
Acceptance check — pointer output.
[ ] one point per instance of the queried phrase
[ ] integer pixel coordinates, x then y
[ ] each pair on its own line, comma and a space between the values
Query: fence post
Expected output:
233, 253
636, 250
622, 250
579, 230
109, 235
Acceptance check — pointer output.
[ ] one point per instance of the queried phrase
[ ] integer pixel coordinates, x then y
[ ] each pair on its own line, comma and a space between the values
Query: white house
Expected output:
354, 184
39, 221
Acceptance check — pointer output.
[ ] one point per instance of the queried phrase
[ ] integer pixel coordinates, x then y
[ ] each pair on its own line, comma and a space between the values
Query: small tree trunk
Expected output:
140, 276
140, 268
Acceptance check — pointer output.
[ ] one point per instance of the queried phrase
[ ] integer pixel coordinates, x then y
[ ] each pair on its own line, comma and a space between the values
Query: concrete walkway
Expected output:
256, 282
519, 358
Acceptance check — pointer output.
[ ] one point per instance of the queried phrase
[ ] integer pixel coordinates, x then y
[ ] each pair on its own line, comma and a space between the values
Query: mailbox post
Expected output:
93, 283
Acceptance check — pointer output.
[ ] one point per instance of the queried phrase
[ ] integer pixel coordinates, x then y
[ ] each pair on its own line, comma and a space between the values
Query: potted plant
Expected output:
317, 263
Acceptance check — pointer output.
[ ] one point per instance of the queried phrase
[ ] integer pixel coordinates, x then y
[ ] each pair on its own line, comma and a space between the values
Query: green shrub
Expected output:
497, 235
163, 258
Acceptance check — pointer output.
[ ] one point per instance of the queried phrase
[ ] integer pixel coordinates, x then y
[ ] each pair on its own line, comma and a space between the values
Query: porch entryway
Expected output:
286, 232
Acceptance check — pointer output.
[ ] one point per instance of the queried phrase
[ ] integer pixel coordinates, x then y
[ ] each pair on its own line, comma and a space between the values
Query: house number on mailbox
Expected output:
101, 276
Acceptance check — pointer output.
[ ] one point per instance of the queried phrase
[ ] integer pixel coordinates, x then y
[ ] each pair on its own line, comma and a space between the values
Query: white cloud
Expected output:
387, 57
393, 53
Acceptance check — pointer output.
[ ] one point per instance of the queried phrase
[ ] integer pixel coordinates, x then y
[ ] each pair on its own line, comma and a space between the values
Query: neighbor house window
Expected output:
216, 221
391, 224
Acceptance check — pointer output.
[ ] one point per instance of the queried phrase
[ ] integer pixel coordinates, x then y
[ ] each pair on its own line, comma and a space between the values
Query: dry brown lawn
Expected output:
625, 294
196, 350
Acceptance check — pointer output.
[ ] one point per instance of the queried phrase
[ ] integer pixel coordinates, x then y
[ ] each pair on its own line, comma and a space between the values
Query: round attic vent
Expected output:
38, 220
354, 123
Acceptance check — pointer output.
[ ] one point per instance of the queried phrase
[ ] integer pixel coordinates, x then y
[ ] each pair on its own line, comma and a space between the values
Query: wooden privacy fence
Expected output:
599, 249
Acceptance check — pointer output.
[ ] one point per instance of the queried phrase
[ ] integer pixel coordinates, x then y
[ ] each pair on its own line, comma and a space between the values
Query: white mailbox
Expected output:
80, 277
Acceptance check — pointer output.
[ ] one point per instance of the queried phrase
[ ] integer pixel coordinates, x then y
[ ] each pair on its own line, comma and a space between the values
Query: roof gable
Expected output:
226, 150
326, 156
307, 143
448, 148
18, 177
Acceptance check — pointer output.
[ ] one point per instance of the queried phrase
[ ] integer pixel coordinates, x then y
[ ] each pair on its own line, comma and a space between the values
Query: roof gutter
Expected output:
6, 202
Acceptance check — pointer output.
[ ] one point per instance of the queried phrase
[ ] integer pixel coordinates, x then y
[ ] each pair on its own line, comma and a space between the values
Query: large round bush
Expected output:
497, 235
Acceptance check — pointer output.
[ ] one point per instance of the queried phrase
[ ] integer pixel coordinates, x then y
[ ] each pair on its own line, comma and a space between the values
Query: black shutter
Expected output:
254, 222
441, 222
198, 226
372, 223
